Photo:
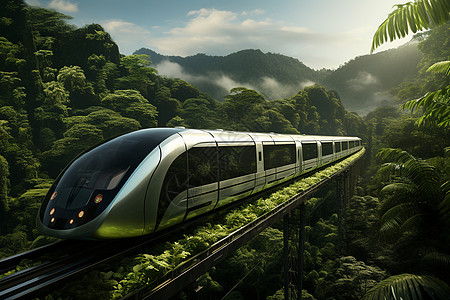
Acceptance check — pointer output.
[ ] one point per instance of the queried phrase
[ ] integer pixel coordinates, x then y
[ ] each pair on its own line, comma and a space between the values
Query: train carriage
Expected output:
152, 179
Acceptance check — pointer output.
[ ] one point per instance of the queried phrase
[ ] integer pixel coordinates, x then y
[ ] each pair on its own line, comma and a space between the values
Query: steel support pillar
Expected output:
343, 192
294, 243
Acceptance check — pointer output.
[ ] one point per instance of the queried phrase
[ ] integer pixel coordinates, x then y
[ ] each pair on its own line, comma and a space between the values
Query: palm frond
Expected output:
413, 223
436, 107
435, 258
440, 67
414, 16
400, 218
418, 171
447, 151
444, 206
409, 286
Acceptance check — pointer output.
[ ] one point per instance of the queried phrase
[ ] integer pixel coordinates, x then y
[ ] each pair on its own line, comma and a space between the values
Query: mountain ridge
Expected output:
363, 83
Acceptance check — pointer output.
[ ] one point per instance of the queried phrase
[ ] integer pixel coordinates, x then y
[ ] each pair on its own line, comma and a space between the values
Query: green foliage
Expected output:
409, 286
440, 67
348, 278
131, 104
408, 198
137, 75
414, 16
436, 106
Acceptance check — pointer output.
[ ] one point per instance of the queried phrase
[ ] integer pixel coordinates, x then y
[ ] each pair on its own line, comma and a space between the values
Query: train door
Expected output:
299, 164
269, 168
260, 179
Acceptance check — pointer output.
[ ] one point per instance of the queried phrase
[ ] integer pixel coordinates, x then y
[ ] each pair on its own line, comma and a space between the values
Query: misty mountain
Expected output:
273, 75
362, 83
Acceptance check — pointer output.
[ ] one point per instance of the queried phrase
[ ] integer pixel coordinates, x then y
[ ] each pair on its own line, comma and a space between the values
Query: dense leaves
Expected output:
414, 16
409, 286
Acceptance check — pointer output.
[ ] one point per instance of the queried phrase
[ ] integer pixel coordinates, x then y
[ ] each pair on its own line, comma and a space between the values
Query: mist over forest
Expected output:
364, 83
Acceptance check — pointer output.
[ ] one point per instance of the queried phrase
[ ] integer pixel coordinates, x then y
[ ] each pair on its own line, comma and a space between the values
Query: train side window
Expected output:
309, 151
344, 145
235, 161
337, 147
327, 148
278, 155
202, 166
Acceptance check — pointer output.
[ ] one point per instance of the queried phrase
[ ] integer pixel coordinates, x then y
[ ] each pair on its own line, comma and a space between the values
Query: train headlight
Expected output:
98, 198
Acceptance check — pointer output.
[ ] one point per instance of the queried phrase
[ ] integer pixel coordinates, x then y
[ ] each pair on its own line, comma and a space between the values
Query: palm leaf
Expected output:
421, 173
414, 16
437, 259
409, 286
440, 67
400, 218
444, 206
436, 107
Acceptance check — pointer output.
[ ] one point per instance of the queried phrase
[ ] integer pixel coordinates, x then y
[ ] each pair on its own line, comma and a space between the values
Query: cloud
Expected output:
63, 5
221, 32
171, 69
33, 3
274, 89
268, 86
174, 70
362, 81
127, 35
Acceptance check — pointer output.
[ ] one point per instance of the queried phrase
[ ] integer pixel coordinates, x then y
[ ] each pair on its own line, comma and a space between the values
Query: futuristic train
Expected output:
151, 179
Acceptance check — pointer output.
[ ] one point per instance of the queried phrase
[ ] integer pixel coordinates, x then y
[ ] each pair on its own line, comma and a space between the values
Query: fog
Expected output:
218, 85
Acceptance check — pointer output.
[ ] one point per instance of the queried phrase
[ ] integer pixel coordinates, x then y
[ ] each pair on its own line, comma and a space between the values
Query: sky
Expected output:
319, 33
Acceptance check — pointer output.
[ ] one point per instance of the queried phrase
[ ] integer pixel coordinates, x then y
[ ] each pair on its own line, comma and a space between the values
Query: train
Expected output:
151, 179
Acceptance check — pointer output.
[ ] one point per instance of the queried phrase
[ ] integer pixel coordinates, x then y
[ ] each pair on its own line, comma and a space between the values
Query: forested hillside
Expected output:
363, 83
273, 75
366, 82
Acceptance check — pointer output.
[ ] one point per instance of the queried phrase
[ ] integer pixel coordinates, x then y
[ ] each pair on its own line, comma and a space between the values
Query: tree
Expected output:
137, 75
414, 16
407, 212
131, 104
74, 81
416, 210
242, 107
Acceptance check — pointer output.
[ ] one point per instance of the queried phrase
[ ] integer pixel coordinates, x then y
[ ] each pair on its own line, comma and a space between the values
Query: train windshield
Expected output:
106, 167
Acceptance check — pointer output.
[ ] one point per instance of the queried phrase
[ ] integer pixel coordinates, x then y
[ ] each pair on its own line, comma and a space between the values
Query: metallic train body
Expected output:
151, 179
